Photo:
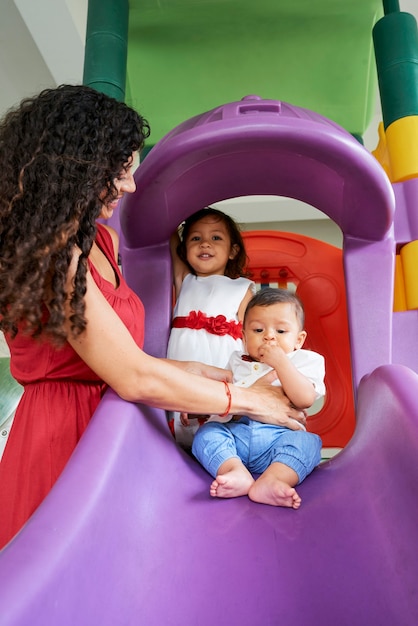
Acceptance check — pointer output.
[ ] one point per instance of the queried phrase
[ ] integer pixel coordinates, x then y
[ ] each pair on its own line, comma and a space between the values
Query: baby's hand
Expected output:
184, 419
269, 353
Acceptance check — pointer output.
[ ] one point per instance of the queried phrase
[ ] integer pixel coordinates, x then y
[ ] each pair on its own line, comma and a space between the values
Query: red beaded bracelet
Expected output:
228, 395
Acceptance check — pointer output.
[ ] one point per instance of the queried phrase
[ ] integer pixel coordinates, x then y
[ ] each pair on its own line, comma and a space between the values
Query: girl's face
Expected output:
124, 183
208, 246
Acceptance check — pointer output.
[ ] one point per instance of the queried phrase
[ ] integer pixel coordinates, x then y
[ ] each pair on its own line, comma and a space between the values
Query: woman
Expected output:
73, 326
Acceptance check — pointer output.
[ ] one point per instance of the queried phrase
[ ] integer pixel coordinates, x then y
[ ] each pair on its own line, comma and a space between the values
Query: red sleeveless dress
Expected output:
60, 396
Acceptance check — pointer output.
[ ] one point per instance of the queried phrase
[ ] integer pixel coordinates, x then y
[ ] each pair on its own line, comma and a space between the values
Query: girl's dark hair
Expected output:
267, 296
60, 152
235, 267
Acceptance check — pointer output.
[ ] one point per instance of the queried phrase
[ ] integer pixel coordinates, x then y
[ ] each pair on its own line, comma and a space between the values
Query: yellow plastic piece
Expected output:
381, 151
399, 300
402, 147
409, 256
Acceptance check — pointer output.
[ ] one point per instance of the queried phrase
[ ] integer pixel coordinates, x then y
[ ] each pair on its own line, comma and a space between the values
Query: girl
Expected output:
211, 296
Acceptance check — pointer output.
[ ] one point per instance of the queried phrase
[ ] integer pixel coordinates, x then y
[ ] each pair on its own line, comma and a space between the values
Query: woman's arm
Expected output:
109, 350
201, 369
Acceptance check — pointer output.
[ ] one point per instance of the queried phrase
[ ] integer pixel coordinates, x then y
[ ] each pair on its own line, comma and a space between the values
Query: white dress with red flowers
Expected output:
209, 307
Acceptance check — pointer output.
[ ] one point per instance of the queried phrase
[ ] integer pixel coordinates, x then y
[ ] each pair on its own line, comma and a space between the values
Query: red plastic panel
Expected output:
316, 269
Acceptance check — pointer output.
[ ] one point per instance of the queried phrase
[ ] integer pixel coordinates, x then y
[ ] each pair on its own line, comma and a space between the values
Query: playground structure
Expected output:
129, 533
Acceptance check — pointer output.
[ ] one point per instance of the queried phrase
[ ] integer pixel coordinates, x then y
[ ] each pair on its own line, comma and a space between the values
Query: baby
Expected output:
273, 333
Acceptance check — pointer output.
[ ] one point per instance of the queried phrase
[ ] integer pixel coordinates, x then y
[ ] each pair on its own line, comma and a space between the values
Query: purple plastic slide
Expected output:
129, 535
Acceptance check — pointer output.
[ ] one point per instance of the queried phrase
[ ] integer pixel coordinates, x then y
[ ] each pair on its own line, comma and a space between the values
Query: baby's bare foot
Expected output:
267, 490
232, 484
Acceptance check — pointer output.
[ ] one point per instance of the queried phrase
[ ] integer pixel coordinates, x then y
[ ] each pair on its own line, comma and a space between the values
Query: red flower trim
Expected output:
218, 325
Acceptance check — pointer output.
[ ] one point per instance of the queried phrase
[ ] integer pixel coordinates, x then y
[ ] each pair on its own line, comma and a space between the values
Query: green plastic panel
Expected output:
188, 56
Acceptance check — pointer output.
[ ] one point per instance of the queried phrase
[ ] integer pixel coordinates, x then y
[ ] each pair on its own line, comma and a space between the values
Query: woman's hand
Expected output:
275, 407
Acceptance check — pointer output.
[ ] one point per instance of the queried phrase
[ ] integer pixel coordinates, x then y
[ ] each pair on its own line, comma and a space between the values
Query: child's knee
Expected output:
301, 453
312, 449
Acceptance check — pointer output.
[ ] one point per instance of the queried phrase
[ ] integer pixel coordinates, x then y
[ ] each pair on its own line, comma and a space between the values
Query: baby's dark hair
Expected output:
235, 267
268, 296
60, 153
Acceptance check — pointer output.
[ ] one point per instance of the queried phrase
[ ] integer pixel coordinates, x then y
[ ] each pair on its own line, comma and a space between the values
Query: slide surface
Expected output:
130, 535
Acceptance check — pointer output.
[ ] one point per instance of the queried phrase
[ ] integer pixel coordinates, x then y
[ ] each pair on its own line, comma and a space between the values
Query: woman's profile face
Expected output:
124, 183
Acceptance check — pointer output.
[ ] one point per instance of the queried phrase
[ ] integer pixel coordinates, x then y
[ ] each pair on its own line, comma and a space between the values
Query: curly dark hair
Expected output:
235, 267
60, 151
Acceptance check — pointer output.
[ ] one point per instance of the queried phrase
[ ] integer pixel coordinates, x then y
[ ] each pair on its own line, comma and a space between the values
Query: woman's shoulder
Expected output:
108, 238
103, 234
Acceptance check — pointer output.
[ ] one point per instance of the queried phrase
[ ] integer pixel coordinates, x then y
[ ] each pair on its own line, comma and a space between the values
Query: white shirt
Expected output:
245, 373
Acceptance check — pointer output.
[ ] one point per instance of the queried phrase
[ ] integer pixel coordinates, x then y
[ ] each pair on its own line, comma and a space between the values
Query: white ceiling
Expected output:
42, 45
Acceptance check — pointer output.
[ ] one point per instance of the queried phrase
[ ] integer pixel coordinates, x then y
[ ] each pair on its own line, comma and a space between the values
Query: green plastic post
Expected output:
390, 6
395, 39
105, 55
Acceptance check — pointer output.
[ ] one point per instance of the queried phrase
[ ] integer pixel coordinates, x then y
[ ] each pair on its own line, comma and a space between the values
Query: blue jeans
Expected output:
257, 445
